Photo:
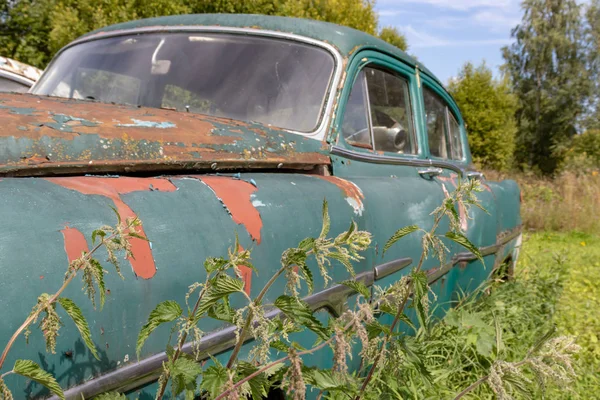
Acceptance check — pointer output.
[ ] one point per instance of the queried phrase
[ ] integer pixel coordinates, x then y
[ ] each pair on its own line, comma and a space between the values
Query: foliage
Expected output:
566, 202
548, 68
32, 31
113, 240
583, 155
391, 35
488, 107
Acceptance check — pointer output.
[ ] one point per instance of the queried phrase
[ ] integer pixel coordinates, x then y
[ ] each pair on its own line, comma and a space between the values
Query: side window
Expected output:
391, 115
355, 125
457, 153
443, 130
437, 130
384, 98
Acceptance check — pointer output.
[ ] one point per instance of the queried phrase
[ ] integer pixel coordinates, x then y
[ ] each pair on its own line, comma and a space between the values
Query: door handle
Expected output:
430, 172
475, 175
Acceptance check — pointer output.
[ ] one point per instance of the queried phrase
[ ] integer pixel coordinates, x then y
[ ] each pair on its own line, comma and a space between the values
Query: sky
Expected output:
444, 34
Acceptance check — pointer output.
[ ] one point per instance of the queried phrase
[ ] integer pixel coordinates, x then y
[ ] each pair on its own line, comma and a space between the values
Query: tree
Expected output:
32, 31
393, 37
488, 108
592, 120
547, 66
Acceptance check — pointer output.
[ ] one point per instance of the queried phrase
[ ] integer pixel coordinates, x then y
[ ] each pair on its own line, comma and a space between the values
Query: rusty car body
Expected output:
16, 76
207, 125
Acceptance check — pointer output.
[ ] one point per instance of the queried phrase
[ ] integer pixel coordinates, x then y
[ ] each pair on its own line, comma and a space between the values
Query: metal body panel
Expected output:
42, 135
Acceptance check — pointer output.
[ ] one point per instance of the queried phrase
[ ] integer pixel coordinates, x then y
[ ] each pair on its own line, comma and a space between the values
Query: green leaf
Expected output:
542, 341
212, 264
464, 242
358, 287
80, 322
111, 396
344, 260
167, 311
308, 276
222, 311
326, 380
184, 373
221, 286
279, 345
326, 220
420, 291
96, 233
259, 385
137, 236
306, 244
33, 371
214, 378
99, 276
117, 214
400, 233
348, 232
299, 312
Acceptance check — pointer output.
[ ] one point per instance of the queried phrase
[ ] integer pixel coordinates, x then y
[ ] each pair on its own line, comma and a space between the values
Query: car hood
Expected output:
42, 135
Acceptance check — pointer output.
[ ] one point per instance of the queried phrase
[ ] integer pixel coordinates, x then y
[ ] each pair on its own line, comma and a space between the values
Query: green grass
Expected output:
557, 282
573, 260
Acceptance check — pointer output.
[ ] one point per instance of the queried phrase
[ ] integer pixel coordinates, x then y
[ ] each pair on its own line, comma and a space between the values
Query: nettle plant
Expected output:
115, 240
386, 352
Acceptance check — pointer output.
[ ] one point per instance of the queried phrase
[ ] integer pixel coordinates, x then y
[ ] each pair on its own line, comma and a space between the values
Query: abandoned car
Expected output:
16, 76
207, 125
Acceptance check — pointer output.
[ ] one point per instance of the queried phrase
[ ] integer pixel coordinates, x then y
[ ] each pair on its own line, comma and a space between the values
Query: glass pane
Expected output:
435, 118
96, 84
391, 115
457, 153
276, 82
355, 125
7, 85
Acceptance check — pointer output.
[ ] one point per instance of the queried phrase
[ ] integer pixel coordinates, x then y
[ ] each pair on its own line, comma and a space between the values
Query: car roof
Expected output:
346, 40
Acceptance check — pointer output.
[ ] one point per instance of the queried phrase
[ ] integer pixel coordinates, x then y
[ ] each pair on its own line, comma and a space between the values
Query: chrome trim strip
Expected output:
147, 370
325, 117
16, 77
383, 270
382, 159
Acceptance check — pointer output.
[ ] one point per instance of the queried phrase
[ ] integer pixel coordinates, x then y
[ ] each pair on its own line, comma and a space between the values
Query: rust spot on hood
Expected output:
235, 195
40, 135
143, 264
75, 243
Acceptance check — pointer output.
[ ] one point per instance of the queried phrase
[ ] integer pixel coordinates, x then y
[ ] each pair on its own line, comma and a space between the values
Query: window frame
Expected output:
450, 109
388, 64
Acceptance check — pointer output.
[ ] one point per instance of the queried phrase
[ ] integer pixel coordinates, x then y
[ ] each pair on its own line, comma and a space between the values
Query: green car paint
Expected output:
195, 181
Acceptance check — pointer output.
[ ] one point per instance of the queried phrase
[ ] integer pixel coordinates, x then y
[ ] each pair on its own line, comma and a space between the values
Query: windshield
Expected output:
276, 82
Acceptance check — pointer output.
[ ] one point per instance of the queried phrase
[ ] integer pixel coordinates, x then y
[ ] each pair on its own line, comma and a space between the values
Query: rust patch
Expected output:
75, 244
354, 196
235, 195
143, 264
45, 133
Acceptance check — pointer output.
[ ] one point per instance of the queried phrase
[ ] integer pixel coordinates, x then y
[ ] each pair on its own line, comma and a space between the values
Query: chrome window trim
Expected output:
16, 77
404, 159
319, 133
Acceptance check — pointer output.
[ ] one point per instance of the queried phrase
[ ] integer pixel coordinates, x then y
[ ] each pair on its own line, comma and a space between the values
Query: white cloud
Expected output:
463, 5
496, 22
421, 39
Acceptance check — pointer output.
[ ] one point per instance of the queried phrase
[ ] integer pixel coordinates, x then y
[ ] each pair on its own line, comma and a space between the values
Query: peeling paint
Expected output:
85, 136
148, 124
236, 197
143, 264
354, 195
75, 243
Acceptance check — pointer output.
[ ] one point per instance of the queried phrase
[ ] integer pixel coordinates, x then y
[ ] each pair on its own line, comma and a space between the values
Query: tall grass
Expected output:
567, 202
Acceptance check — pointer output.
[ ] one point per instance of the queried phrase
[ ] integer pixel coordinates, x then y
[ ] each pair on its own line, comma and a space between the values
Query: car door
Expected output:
448, 149
380, 147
